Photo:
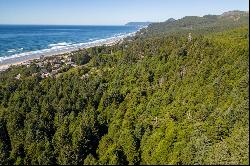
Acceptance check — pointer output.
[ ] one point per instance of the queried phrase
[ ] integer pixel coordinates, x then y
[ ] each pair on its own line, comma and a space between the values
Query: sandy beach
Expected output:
29, 56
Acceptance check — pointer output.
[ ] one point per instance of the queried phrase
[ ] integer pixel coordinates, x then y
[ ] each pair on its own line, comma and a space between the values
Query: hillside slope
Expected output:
161, 100
198, 25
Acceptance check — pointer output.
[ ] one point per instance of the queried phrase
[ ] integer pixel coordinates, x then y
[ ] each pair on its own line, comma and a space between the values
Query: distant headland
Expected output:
138, 23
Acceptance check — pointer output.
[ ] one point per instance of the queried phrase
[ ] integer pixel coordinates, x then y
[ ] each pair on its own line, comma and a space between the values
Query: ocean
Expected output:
32, 40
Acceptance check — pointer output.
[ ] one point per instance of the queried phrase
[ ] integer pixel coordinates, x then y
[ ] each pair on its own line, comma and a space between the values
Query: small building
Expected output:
18, 76
42, 57
85, 76
189, 37
56, 66
40, 64
44, 75
69, 59
54, 72
69, 63
44, 70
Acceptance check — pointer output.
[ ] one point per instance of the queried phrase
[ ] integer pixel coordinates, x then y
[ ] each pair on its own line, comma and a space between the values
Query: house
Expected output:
18, 76
54, 72
44, 70
69, 59
56, 66
44, 75
69, 63
189, 37
85, 76
42, 57
40, 64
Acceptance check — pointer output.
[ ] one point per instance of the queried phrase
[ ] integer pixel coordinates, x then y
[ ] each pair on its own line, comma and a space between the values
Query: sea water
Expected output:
27, 40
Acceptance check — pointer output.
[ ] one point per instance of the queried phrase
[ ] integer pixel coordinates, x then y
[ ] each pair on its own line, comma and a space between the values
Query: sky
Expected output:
109, 12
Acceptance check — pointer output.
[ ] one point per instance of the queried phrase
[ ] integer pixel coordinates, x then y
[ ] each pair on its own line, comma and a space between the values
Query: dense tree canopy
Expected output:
154, 100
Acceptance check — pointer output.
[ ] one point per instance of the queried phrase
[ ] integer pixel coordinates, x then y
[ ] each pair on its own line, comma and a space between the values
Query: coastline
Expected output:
23, 58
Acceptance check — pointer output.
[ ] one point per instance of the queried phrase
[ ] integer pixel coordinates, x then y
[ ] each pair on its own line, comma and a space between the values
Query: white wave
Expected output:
11, 50
14, 50
66, 47
57, 47
62, 29
91, 39
60, 44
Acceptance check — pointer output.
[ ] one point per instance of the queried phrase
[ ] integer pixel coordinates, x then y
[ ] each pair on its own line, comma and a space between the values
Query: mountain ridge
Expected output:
138, 23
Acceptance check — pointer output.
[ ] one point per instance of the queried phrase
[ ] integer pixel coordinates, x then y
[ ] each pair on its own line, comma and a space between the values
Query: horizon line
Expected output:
77, 24
69, 24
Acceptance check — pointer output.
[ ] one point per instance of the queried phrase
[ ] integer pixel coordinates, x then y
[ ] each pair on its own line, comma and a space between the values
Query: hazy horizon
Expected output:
108, 12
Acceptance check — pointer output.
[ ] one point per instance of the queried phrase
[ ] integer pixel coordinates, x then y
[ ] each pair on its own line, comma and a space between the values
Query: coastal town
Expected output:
53, 66
50, 66
61, 59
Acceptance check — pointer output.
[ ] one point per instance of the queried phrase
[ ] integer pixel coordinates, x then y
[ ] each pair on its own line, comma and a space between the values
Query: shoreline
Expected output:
32, 55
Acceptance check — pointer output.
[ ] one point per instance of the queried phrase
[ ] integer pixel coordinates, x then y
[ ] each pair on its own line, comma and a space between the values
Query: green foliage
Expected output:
80, 57
154, 100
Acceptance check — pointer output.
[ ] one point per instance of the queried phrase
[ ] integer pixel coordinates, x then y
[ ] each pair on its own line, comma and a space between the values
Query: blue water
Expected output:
16, 39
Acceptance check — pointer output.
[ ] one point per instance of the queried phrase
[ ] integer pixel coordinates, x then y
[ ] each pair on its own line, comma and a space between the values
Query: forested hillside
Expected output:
154, 99
199, 25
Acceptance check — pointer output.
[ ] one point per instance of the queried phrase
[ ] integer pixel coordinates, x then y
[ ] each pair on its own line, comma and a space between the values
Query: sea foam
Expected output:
60, 44
63, 47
